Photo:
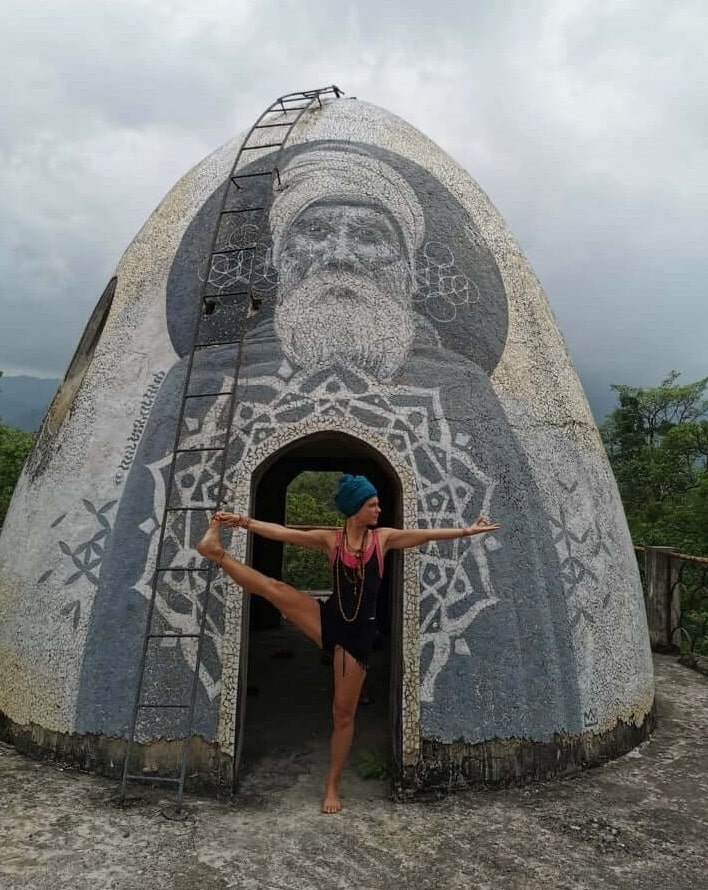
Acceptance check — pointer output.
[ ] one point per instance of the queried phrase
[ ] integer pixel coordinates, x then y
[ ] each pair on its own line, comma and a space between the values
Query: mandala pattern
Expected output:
455, 582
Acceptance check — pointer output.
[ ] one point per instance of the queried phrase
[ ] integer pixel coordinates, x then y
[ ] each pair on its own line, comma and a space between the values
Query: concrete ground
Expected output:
640, 822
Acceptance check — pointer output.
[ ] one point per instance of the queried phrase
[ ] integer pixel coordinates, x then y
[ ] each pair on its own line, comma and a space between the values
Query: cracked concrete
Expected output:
640, 822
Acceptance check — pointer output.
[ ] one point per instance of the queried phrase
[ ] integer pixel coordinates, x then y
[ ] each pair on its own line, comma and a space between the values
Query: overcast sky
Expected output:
585, 121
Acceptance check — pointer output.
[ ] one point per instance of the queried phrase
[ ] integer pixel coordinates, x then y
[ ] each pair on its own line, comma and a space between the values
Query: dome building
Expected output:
331, 292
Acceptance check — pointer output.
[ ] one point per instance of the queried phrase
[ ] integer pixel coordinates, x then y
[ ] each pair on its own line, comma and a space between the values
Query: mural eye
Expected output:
369, 235
318, 230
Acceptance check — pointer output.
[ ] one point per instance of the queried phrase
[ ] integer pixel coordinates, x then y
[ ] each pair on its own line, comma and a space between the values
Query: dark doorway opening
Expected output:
285, 695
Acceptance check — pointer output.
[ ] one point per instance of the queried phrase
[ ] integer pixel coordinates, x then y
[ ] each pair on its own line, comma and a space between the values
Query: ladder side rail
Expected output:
168, 489
222, 473
178, 432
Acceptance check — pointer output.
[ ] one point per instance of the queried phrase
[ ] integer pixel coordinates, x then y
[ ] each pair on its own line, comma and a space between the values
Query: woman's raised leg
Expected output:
300, 609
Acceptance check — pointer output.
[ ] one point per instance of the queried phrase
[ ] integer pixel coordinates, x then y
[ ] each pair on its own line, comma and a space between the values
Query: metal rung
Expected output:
234, 250
168, 707
199, 450
182, 569
250, 175
216, 343
141, 778
227, 293
264, 145
172, 636
192, 509
281, 111
206, 395
199, 395
267, 126
297, 97
209, 345
242, 210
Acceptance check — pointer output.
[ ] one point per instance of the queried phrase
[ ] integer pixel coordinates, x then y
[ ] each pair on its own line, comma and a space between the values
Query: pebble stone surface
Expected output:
638, 823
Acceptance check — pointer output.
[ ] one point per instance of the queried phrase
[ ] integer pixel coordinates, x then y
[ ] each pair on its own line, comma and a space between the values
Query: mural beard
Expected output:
347, 318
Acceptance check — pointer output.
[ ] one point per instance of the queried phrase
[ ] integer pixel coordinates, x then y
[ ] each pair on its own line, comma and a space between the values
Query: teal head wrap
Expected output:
352, 491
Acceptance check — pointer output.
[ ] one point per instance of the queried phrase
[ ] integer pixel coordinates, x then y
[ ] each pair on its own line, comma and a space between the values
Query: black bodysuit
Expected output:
349, 615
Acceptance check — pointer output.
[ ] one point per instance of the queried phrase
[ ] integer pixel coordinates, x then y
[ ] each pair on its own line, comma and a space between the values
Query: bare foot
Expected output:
210, 545
331, 802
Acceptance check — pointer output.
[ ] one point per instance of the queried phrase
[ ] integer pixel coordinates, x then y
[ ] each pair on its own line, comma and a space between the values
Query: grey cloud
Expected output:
584, 123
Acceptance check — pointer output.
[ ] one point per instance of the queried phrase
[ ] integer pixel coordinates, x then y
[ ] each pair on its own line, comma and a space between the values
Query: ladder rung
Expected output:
210, 343
251, 175
167, 707
173, 636
143, 778
200, 346
265, 145
234, 250
192, 509
266, 126
228, 293
198, 450
205, 395
280, 111
242, 210
182, 569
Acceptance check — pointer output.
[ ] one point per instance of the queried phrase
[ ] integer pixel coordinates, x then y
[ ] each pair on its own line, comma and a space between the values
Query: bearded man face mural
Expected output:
344, 289
346, 265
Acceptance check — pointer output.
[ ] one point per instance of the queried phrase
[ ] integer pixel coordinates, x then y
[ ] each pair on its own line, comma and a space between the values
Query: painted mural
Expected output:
392, 305
366, 302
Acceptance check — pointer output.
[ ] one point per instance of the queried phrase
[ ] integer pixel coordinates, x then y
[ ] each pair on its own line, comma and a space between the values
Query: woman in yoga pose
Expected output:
345, 624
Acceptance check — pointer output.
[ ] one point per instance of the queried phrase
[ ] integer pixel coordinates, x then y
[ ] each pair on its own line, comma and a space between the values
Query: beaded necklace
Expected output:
358, 576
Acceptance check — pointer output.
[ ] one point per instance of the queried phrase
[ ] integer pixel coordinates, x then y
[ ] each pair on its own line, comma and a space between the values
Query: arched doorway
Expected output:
284, 707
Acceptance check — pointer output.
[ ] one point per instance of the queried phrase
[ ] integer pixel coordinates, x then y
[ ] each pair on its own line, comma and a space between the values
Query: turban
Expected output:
340, 175
352, 491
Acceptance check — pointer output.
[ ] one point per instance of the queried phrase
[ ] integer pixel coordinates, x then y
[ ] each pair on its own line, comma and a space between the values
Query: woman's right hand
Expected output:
232, 520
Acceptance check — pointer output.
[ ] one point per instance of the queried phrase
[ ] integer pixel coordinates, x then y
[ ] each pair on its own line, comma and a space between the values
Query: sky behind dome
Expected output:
585, 122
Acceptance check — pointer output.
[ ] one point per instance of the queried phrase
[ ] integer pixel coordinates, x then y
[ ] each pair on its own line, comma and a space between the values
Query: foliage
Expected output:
657, 442
693, 586
310, 503
15, 445
373, 765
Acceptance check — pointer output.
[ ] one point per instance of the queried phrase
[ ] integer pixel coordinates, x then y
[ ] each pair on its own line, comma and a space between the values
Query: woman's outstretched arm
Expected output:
314, 539
401, 538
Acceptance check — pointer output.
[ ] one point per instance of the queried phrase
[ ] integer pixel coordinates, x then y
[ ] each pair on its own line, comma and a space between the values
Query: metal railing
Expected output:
676, 596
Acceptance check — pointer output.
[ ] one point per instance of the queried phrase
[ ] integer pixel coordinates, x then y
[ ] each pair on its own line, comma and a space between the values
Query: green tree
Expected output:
310, 502
15, 445
657, 442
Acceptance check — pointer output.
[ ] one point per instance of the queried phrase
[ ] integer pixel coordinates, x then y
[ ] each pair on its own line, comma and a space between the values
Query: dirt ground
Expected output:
640, 822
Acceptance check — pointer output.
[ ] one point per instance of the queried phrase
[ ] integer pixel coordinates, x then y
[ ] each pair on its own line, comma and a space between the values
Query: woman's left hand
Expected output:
481, 524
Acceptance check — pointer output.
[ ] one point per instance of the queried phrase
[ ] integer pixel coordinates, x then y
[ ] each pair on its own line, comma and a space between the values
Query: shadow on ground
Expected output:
638, 823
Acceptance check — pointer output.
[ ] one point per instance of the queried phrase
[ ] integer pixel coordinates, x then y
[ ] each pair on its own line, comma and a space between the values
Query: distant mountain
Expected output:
24, 400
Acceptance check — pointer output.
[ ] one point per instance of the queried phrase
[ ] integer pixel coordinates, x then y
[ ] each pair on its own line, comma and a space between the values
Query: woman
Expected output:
345, 624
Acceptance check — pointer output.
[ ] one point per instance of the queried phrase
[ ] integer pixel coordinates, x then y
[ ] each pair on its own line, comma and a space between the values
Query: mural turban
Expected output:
342, 174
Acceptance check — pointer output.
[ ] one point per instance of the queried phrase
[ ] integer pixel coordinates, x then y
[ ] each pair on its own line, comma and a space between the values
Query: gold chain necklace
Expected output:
359, 575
